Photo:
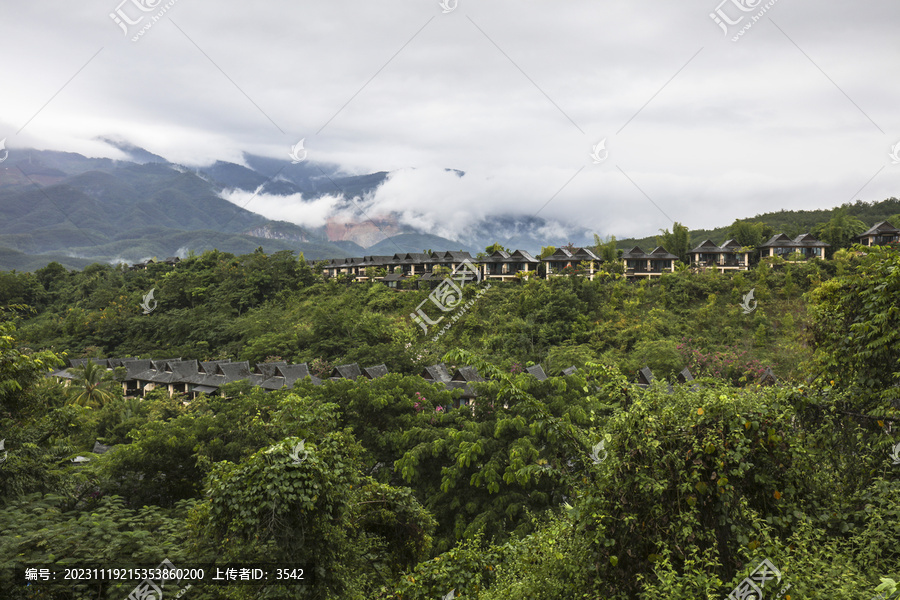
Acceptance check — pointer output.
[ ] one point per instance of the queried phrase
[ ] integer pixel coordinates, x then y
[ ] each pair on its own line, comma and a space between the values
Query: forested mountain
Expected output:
790, 222
579, 486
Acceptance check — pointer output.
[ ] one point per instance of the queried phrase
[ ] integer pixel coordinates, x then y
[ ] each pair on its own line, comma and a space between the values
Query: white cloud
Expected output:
512, 93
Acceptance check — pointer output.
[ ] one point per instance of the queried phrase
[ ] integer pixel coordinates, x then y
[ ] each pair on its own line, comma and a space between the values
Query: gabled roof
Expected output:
570, 371
185, 370
808, 241
350, 371
537, 371
768, 377
437, 373
234, 371
732, 243
560, 254
685, 376
268, 369
706, 246
660, 253
523, 256
645, 376
375, 372
635, 253
136, 366
777, 240
584, 254
881, 227
100, 448
292, 373
467, 374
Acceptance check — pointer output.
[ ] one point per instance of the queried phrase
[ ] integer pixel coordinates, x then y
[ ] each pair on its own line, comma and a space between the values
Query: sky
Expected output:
618, 116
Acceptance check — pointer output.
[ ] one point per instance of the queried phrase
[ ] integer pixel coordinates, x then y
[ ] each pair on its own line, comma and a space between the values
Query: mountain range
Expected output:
78, 210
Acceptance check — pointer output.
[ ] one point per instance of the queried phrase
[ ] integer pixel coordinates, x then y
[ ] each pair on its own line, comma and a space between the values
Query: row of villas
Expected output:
192, 377
507, 266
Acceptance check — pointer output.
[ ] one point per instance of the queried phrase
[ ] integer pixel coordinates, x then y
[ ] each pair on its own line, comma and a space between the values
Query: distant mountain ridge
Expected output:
107, 210
63, 204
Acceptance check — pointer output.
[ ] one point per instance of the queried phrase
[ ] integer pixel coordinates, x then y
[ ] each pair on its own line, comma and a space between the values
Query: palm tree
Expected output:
92, 386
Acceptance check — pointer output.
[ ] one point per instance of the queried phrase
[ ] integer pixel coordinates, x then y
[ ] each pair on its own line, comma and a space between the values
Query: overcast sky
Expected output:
800, 112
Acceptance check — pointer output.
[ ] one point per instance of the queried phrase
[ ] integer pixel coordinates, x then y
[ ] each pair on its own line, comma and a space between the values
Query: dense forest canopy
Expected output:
583, 485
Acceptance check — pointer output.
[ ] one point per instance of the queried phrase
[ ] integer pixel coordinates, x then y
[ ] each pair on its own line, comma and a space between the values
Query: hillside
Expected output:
496, 485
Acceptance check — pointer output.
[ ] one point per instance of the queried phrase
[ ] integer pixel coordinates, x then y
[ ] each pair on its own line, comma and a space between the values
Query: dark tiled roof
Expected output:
768, 377
437, 373
706, 246
350, 371
375, 372
685, 376
881, 227
560, 254
635, 253
100, 448
467, 374
292, 373
804, 240
661, 253
268, 369
645, 376
570, 371
537, 371
524, 256
584, 254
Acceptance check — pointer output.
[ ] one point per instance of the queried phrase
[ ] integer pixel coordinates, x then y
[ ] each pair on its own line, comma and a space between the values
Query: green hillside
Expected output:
579, 486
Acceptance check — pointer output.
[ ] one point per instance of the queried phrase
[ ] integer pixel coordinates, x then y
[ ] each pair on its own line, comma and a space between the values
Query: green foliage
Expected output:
583, 486
840, 230
749, 233
678, 242
856, 328
92, 385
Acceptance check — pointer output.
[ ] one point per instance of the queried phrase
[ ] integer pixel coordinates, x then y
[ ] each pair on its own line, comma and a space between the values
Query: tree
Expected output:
605, 248
20, 371
92, 386
840, 229
678, 242
750, 233
495, 247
